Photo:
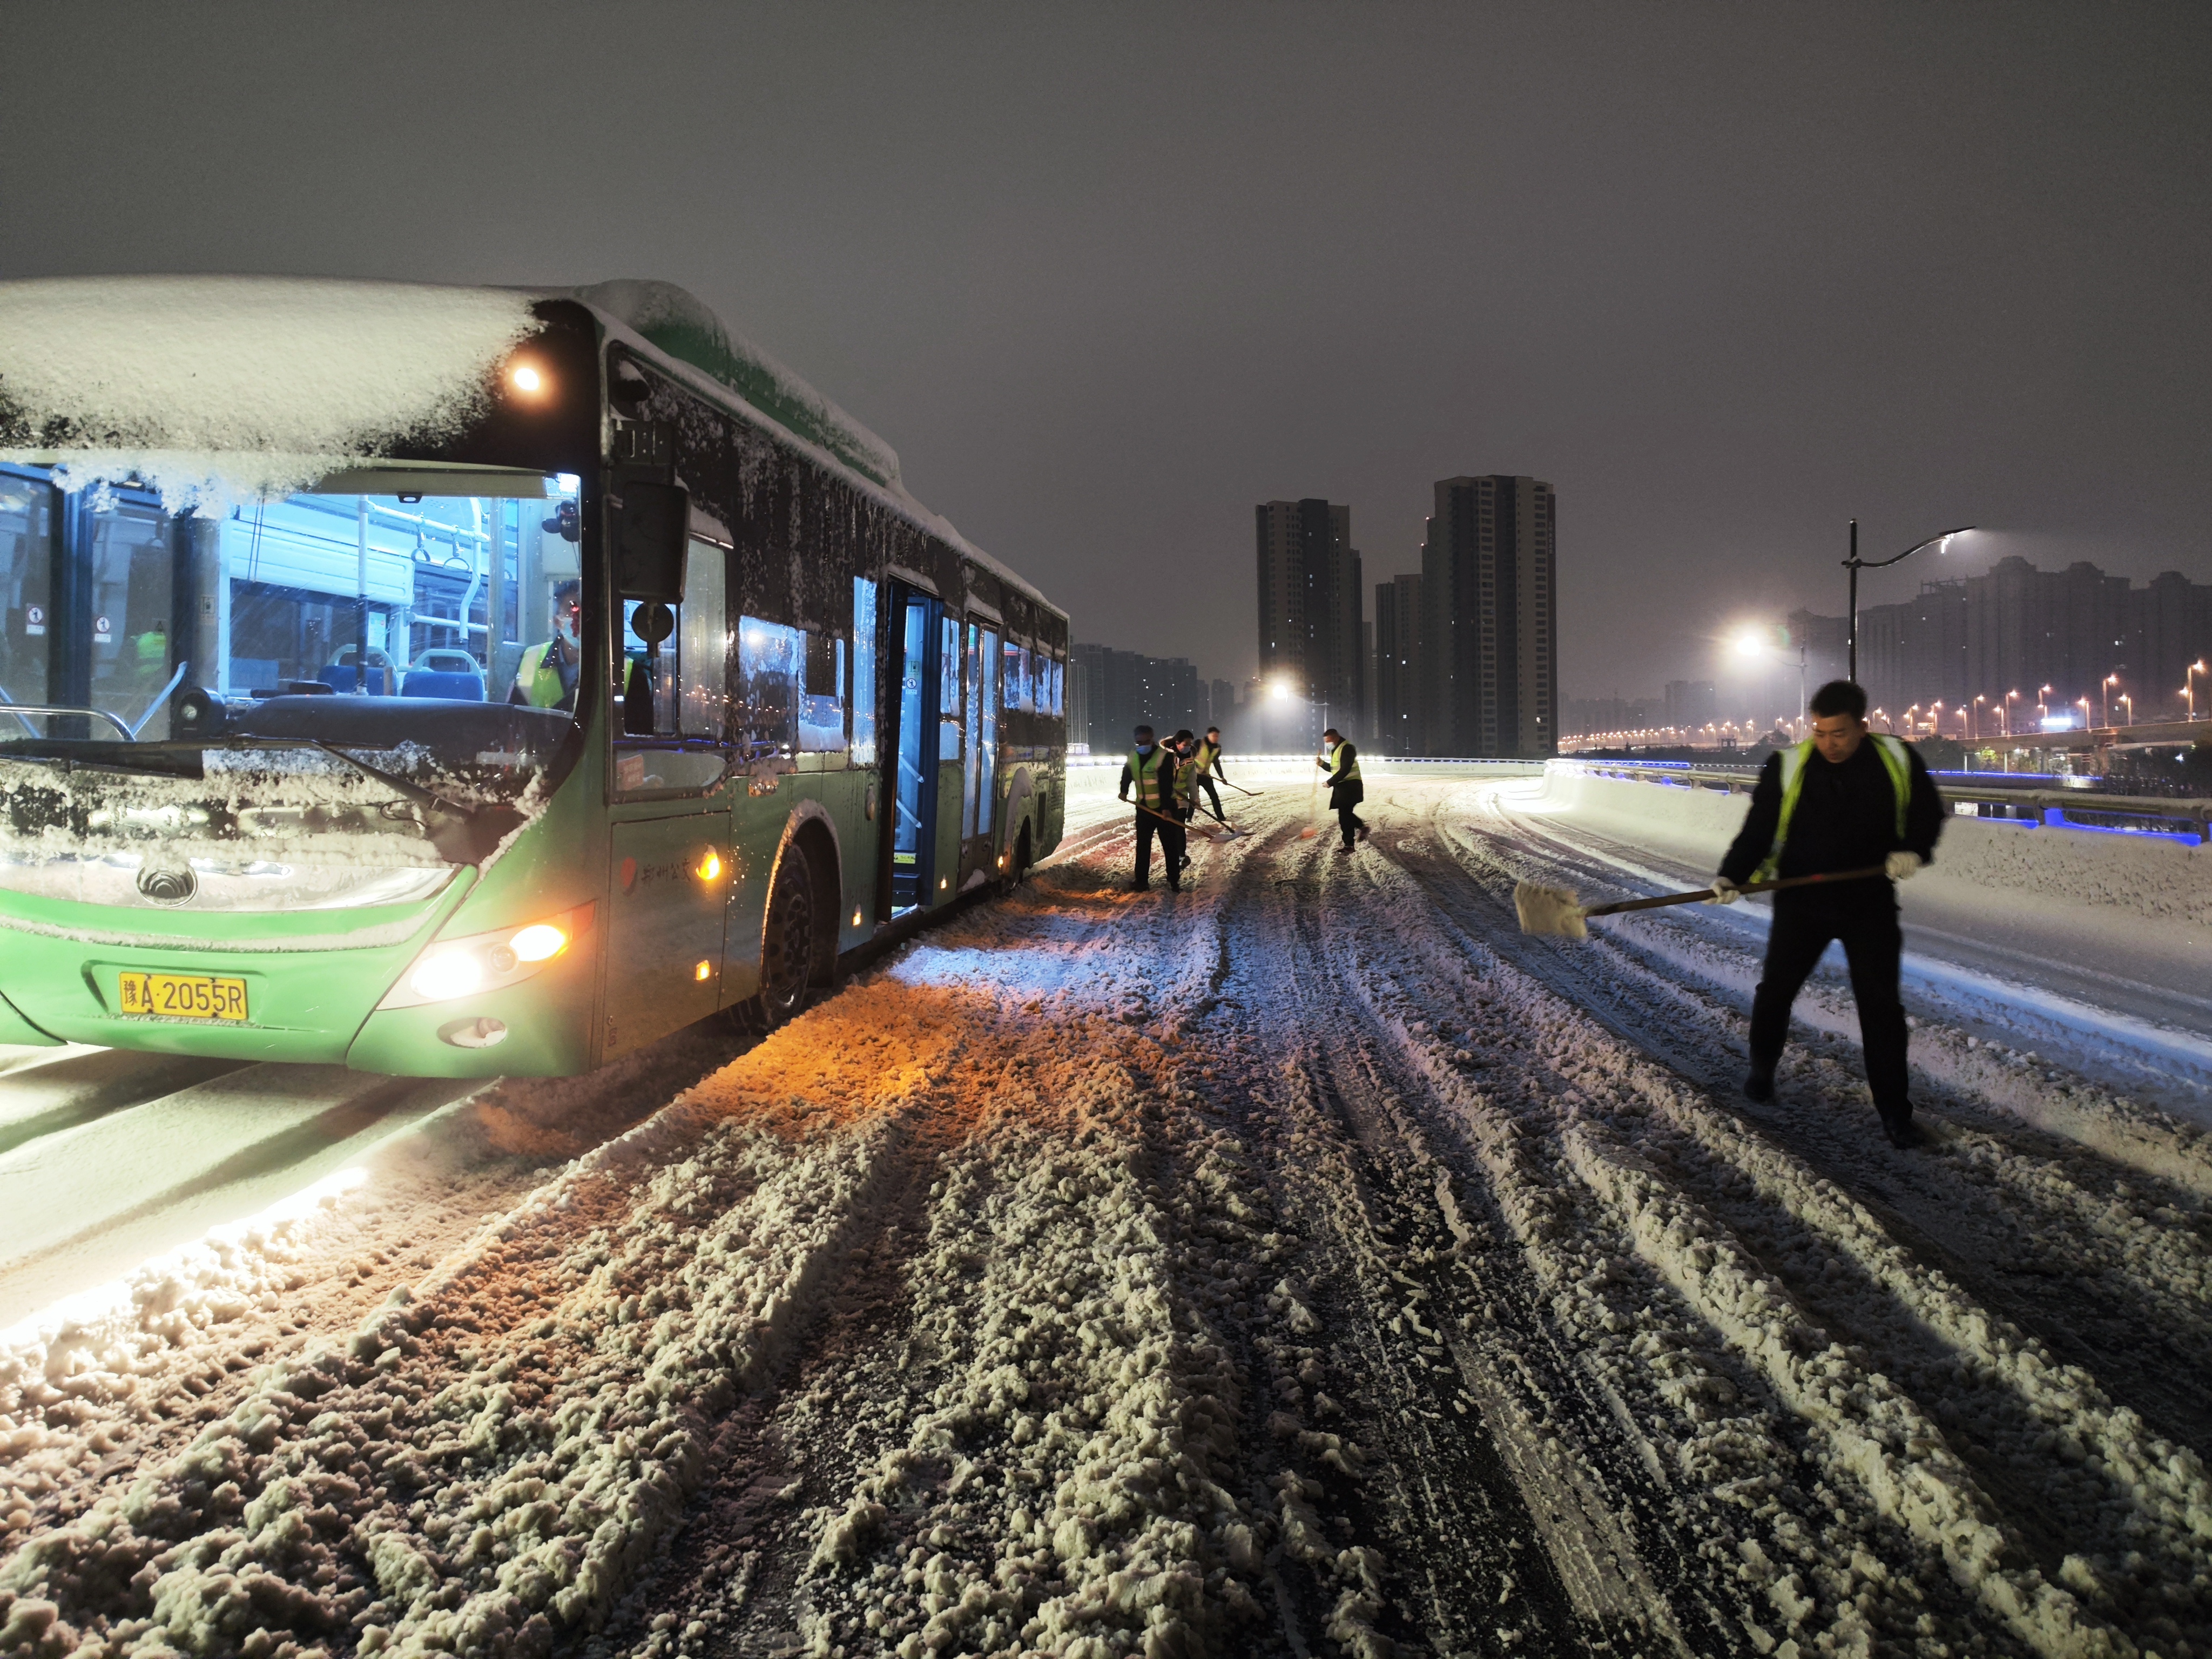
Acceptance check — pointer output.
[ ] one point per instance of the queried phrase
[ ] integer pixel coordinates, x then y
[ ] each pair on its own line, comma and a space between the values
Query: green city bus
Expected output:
454, 682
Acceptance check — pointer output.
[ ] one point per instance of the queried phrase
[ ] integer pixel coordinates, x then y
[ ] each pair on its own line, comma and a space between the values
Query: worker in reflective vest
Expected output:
1341, 760
1150, 771
1208, 757
546, 677
1842, 799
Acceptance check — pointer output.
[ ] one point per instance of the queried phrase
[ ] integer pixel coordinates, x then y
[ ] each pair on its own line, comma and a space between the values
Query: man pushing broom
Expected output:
1850, 803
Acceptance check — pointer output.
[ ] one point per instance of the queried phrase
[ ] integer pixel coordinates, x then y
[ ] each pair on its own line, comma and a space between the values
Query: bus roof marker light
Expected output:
527, 379
710, 866
703, 972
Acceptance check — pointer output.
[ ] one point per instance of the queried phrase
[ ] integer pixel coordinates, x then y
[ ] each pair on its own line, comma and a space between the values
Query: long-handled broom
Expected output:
1544, 909
1180, 824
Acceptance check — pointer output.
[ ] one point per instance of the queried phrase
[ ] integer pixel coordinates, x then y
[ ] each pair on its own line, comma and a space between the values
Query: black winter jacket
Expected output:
1846, 818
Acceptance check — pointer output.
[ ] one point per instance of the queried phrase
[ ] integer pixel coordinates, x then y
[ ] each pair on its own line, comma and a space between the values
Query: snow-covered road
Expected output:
1305, 1263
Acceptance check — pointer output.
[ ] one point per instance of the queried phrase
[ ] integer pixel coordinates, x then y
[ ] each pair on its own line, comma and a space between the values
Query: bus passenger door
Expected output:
912, 828
669, 811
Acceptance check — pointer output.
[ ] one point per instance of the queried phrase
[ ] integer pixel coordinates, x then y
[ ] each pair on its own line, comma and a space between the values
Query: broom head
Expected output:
1549, 910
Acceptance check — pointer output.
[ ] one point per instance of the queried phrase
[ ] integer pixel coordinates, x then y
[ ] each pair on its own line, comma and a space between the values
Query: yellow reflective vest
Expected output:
1339, 770
1896, 760
539, 674
1152, 778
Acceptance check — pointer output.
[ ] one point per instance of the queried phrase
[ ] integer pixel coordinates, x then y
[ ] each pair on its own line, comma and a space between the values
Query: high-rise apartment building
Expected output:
1118, 691
1489, 637
1310, 635
1397, 676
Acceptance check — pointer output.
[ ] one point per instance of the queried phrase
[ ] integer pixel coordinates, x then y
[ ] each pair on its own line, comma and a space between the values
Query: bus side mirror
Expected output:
653, 526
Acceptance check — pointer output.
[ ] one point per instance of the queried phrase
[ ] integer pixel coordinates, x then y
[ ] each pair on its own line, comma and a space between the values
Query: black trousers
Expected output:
1171, 848
1211, 795
1349, 820
1872, 942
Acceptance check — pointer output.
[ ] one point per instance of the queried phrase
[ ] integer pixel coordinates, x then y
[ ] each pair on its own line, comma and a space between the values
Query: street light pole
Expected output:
1855, 564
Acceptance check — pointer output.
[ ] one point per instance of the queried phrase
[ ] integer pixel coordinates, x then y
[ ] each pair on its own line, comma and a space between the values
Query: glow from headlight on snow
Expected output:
448, 974
91, 1318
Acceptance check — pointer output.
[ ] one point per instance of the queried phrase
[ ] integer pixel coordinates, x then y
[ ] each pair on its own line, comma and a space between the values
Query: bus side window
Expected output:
822, 709
771, 668
675, 690
864, 671
948, 695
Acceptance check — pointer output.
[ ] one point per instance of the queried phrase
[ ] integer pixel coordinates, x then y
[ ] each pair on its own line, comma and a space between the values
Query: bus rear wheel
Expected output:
786, 943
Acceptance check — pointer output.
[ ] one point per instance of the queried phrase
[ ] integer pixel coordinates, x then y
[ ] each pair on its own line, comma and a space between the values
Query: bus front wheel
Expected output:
786, 943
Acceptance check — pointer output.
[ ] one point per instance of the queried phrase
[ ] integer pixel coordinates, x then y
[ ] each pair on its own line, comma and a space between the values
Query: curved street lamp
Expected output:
1855, 564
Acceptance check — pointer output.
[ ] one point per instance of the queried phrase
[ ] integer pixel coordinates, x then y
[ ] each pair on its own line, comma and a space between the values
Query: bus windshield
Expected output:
428, 613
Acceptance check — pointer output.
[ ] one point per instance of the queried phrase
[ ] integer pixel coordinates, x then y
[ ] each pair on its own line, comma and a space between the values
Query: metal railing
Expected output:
2052, 806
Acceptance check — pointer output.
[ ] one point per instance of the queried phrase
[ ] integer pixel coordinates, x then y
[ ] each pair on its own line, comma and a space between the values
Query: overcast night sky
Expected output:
1106, 276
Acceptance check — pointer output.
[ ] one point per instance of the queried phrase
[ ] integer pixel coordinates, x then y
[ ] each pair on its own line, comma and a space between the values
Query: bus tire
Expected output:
1020, 872
787, 943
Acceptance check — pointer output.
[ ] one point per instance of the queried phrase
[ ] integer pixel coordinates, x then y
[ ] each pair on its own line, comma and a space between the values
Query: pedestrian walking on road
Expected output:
1844, 798
1341, 760
1150, 771
1208, 757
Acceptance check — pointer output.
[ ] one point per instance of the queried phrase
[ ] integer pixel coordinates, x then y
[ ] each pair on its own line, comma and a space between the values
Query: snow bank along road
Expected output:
1302, 1264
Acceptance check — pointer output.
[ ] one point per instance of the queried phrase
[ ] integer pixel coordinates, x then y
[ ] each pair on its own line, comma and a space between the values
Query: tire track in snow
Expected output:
2109, 1266
1764, 1324
1616, 1471
1037, 1441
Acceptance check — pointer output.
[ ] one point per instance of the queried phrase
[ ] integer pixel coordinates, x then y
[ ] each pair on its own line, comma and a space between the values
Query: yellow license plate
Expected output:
183, 996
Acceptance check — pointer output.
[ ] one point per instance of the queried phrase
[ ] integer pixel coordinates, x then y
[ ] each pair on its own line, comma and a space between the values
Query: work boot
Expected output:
1903, 1134
1758, 1084
1363, 832
1140, 886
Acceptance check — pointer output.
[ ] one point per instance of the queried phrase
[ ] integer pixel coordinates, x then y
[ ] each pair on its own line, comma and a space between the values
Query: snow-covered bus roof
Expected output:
217, 389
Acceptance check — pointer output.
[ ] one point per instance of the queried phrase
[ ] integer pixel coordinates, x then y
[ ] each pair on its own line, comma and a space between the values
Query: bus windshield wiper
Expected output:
461, 833
154, 760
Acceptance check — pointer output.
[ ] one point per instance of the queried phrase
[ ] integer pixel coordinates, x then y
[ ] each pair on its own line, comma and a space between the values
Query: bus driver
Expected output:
546, 677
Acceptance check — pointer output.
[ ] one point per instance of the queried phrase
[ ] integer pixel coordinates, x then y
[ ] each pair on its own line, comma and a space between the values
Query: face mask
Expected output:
1143, 749
567, 629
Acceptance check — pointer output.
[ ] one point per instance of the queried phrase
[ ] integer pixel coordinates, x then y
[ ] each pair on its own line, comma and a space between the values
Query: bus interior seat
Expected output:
342, 677
440, 682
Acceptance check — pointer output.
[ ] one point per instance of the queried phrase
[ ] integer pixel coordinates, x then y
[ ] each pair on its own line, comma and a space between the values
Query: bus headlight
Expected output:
451, 968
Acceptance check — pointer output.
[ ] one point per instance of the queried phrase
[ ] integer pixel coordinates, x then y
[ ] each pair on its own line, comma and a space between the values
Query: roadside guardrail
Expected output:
2058, 809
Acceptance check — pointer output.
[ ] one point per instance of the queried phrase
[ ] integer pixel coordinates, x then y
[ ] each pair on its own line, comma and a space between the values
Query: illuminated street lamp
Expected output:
2042, 702
2105, 697
1855, 564
2188, 685
2127, 708
2011, 698
1979, 701
2082, 703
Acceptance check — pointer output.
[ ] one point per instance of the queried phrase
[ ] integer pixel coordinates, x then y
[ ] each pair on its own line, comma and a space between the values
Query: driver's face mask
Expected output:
568, 626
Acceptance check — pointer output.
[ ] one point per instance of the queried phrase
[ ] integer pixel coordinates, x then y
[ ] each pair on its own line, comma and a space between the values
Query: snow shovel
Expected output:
1545, 910
1229, 831
1178, 823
